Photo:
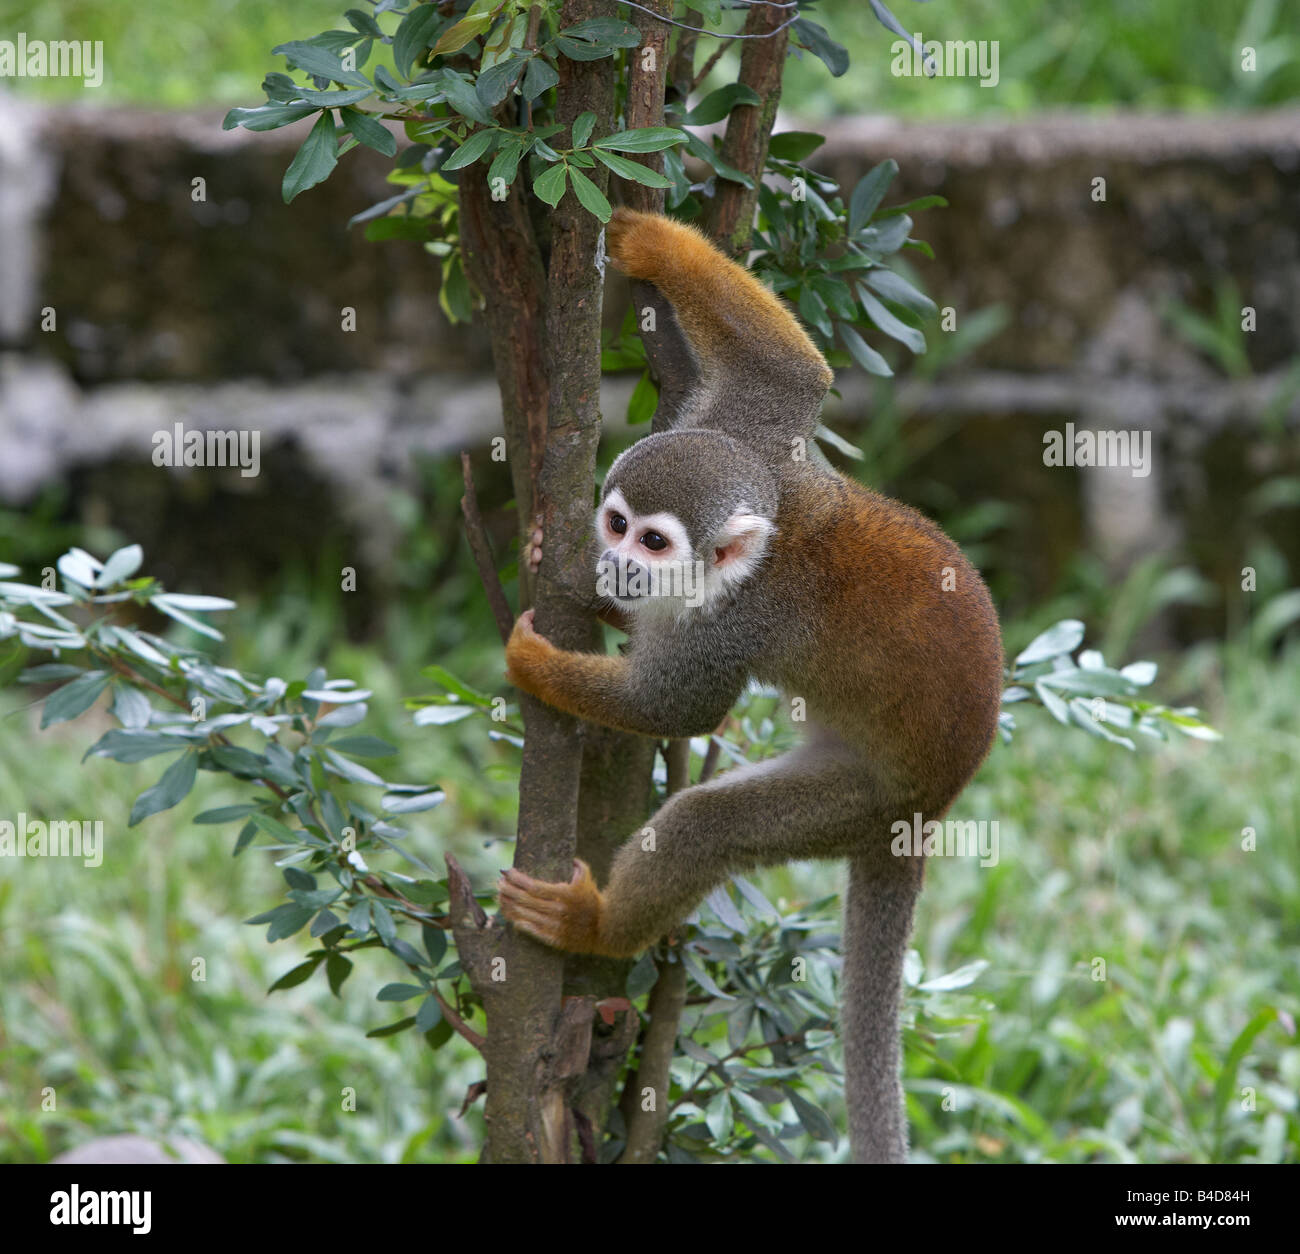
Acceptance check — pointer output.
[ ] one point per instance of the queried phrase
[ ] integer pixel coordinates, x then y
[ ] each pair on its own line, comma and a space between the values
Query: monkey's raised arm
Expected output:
756, 374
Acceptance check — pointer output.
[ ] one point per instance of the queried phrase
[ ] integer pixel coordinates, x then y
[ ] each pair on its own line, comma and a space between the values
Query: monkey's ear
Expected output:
740, 544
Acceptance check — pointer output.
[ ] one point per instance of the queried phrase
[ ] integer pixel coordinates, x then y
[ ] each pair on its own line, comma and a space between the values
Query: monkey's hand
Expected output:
527, 653
565, 916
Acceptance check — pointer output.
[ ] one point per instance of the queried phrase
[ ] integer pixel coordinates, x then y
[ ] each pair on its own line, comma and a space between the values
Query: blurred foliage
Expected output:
1158, 54
296, 785
1137, 859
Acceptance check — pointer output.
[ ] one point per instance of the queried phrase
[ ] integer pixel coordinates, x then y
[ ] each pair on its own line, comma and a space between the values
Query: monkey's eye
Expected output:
654, 541
617, 524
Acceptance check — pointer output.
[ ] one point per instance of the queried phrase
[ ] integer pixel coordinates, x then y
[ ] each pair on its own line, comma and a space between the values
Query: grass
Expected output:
1135, 859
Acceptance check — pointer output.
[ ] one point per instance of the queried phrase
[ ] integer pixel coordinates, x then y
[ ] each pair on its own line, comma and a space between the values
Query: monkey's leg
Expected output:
810, 803
807, 804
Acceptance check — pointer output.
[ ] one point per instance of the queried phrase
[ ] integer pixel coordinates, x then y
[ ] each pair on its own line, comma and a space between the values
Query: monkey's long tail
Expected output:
877, 925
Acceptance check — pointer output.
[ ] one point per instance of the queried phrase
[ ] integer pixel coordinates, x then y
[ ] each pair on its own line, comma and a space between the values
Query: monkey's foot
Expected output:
566, 916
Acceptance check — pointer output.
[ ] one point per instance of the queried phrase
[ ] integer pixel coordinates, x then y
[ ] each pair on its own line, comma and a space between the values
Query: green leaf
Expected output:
471, 150
812, 309
642, 978
454, 38
428, 1016
827, 436
130, 706
1225, 1086
1053, 704
913, 206
549, 187
886, 234
324, 923
133, 746
590, 196
643, 139
319, 62
364, 747
337, 969
496, 83
900, 291
332, 99
391, 1029
246, 834
369, 132
400, 992
79, 567
49, 672
808, 34
1062, 637
405, 803
414, 35
238, 762
505, 165
795, 145
614, 31
893, 327
866, 356
814, 1120
869, 192
383, 922
266, 117
313, 162
445, 679
176, 782
73, 698
296, 975
462, 97
226, 814
698, 147
538, 78
288, 919
579, 50
582, 128
717, 104
363, 23
435, 943
962, 977
644, 400
632, 170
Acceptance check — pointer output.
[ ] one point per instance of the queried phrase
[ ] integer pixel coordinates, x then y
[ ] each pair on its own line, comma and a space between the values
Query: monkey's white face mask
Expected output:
650, 563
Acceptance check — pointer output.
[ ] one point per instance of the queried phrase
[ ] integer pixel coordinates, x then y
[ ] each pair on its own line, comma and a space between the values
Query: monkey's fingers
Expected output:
542, 919
547, 889
564, 915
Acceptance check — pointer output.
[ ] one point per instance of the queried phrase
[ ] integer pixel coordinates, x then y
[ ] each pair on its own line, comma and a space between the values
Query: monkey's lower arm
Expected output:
603, 688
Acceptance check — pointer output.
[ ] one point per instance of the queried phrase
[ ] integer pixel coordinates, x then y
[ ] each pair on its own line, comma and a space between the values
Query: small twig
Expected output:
787, 1039
461, 1028
711, 756
677, 757
717, 34
707, 67
482, 550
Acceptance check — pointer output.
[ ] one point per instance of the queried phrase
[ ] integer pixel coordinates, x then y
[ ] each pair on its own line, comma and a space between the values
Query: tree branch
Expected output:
645, 1128
749, 128
476, 534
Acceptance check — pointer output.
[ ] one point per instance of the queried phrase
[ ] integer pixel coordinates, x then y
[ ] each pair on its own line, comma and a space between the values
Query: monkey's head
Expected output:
685, 517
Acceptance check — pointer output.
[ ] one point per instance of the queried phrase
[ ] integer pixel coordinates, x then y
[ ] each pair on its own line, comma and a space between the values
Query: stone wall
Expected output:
226, 311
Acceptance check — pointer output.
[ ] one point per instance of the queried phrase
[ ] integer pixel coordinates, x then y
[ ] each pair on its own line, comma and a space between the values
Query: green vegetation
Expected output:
1157, 54
1135, 859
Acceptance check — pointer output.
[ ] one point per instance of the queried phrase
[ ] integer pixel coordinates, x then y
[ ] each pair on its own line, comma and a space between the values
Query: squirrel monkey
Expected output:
731, 554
